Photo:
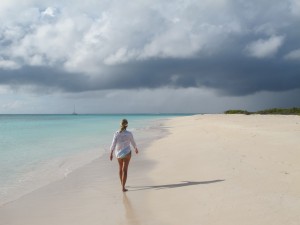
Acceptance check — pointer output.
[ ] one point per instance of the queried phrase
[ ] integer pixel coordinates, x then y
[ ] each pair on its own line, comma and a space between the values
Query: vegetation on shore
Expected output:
275, 111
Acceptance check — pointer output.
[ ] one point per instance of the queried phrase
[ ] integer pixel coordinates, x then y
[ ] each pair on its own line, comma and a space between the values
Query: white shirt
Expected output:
121, 143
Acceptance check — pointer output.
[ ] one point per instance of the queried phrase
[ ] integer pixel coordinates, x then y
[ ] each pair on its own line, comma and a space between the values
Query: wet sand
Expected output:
209, 169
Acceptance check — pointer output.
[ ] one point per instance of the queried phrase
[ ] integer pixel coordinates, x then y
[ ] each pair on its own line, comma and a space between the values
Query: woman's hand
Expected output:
136, 151
111, 156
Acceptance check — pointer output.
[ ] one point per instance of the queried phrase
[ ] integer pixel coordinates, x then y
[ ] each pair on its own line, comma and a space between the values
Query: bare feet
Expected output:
124, 190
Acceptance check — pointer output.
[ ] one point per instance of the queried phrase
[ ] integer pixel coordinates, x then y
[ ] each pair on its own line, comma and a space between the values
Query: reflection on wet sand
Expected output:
130, 214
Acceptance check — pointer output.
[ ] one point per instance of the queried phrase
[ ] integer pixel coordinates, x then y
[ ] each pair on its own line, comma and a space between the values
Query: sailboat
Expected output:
74, 112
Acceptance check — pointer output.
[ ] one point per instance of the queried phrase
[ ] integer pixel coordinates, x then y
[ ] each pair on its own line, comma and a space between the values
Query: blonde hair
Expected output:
124, 124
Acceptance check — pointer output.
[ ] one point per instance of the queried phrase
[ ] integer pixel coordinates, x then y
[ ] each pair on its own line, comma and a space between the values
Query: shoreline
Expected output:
145, 136
206, 169
46, 173
53, 170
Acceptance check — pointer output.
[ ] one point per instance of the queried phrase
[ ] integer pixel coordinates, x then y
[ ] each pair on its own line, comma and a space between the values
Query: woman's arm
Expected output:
133, 143
113, 145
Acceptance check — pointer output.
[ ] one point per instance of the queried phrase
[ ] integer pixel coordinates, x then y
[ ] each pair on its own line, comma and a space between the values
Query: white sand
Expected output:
258, 157
211, 169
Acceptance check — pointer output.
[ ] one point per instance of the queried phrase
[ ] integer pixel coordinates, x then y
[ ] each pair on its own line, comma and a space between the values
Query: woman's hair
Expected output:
124, 124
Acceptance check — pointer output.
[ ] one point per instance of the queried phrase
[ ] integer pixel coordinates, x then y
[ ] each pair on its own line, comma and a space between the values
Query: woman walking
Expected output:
121, 145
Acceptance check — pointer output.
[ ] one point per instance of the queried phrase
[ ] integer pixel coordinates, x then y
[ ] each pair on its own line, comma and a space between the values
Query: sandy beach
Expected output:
207, 169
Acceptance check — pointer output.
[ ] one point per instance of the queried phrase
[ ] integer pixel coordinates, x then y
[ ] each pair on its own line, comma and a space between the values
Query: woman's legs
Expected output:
123, 168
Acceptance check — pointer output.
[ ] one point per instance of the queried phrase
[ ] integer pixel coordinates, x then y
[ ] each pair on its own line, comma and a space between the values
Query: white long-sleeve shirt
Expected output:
121, 143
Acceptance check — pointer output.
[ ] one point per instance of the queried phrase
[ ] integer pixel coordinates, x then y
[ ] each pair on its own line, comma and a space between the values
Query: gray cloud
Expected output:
227, 75
235, 48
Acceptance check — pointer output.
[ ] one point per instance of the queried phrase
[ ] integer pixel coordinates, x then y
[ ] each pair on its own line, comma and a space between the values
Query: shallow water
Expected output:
38, 149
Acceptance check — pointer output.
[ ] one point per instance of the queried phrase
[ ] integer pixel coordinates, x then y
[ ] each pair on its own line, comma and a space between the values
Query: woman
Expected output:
121, 145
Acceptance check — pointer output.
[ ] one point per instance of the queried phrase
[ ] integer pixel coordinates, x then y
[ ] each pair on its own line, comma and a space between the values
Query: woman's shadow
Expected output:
176, 185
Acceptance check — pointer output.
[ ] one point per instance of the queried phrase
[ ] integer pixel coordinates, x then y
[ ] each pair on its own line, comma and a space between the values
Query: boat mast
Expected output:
74, 112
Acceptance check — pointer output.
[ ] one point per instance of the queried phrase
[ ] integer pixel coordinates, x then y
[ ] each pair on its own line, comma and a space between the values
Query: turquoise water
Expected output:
29, 142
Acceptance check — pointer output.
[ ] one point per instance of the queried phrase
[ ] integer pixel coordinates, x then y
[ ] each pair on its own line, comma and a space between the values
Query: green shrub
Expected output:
237, 111
276, 111
281, 111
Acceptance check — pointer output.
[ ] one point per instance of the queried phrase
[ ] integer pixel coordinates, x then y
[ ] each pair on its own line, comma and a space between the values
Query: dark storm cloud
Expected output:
232, 76
228, 75
234, 47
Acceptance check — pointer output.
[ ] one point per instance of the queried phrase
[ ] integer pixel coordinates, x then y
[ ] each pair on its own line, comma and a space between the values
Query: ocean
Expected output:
36, 150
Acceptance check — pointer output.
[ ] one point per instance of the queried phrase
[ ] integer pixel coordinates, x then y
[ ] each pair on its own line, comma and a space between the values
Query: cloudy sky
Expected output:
117, 56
